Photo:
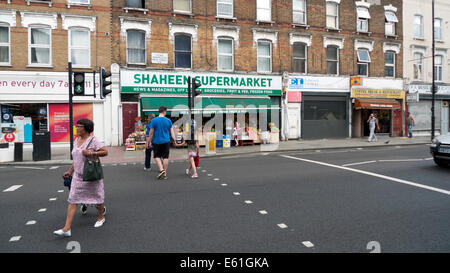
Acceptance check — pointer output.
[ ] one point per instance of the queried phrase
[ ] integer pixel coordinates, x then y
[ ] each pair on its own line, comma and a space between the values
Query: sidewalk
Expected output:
119, 155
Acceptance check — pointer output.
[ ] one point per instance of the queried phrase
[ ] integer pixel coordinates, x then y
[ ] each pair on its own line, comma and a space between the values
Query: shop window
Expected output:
136, 4
363, 62
324, 110
225, 54
264, 56
389, 67
418, 26
391, 19
332, 15
363, 19
39, 45
438, 29
438, 68
4, 45
182, 6
332, 60
418, 66
299, 59
79, 47
264, 10
299, 11
136, 47
183, 51
225, 8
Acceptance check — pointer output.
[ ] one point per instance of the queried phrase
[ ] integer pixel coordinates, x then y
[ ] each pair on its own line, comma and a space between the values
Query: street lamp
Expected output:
433, 89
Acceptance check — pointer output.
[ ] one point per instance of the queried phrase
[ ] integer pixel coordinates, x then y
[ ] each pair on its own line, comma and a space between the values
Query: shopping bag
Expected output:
197, 160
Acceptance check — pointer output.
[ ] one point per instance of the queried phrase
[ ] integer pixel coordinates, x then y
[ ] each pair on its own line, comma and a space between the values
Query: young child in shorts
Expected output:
193, 150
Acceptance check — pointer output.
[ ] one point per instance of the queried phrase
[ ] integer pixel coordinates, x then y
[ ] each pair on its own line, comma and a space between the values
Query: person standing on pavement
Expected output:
161, 128
411, 123
236, 133
373, 123
148, 149
84, 192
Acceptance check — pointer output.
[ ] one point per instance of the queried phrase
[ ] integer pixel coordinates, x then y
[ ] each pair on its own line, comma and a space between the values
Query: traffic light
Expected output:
78, 85
195, 92
104, 83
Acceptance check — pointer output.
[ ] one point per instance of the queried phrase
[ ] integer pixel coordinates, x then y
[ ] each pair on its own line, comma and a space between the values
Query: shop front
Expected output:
251, 100
388, 105
317, 107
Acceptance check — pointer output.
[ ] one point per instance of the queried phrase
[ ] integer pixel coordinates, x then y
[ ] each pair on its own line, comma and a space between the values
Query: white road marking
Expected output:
42, 210
54, 167
123, 164
263, 212
216, 179
318, 151
32, 222
236, 193
61, 191
34, 168
400, 160
52, 199
209, 174
13, 188
224, 185
114, 164
203, 171
359, 148
430, 158
282, 225
372, 174
248, 202
308, 244
360, 163
15, 238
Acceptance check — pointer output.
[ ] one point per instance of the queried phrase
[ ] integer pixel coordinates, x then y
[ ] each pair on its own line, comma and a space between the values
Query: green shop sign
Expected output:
212, 83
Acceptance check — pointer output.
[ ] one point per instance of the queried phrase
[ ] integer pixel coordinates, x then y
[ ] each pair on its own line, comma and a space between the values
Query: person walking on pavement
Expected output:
161, 128
411, 123
148, 149
236, 132
84, 192
373, 123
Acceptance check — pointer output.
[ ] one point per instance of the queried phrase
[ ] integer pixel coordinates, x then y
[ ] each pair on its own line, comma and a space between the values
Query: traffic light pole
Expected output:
433, 87
70, 109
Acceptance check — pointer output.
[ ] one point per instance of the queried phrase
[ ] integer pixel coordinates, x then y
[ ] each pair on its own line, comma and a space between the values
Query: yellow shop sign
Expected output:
378, 93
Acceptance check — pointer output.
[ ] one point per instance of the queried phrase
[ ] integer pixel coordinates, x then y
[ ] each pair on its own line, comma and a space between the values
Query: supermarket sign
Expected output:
212, 83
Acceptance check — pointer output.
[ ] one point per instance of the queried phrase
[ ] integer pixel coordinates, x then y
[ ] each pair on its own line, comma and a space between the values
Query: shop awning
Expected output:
377, 104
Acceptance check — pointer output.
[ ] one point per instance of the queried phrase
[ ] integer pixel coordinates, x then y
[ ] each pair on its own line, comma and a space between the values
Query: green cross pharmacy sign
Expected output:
212, 83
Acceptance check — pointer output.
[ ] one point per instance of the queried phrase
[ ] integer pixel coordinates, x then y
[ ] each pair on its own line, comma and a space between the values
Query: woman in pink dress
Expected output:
84, 192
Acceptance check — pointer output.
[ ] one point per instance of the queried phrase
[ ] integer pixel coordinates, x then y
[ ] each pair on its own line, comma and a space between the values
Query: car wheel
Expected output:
440, 163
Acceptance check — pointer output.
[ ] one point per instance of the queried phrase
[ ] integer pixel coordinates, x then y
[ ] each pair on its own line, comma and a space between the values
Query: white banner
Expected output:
319, 84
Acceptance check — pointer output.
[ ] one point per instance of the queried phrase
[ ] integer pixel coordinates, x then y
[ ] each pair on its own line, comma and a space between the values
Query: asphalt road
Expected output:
395, 198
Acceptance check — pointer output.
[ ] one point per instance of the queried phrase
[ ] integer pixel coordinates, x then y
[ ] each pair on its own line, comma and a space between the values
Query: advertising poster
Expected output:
59, 119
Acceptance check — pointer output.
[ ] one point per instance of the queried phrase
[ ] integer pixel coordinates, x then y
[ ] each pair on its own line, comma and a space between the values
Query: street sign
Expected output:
9, 137
412, 97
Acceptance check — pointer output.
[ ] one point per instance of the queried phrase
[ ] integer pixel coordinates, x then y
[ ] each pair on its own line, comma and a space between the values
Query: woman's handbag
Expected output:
68, 181
92, 170
197, 160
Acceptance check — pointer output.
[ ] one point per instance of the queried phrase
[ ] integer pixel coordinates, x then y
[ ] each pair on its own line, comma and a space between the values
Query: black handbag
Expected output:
68, 182
92, 170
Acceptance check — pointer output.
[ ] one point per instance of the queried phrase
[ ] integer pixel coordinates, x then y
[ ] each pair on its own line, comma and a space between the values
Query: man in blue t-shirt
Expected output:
148, 150
161, 128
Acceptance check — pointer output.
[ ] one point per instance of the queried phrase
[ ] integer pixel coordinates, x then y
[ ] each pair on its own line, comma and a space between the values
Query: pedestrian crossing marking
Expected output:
13, 188
263, 212
282, 225
15, 238
308, 244
42, 210
30, 223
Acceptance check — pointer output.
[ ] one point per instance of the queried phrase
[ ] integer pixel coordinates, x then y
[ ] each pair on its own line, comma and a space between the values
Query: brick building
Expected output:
37, 40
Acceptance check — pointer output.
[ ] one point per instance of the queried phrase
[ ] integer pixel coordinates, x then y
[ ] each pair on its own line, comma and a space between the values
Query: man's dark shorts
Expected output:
161, 150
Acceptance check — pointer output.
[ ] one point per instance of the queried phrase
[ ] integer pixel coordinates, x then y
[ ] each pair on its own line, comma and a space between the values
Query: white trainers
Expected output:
60, 232
99, 223
187, 172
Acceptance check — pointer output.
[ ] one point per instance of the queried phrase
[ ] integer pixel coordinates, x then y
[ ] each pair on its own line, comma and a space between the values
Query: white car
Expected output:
440, 149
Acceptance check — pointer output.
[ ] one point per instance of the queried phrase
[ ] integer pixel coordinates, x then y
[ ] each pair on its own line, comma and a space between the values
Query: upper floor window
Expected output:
418, 66
418, 26
391, 19
363, 19
79, 47
389, 64
136, 47
39, 46
363, 62
264, 10
264, 56
332, 60
4, 45
299, 11
299, 59
225, 54
225, 8
332, 15
80, 2
182, 5
136, 4
183, 51
438, 73
438, 29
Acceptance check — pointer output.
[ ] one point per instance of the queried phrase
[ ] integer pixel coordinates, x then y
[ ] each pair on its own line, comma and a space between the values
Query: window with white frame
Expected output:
136, 47
332, 15
418, 26
225, 54
5, 45
183, 51
86, 2
225, 8
264, 10
418, 66
389, 64
39, 45
363, 62
438, 73
389, 25
182, 6
264, 56
333, 60
79, 47
438, 29
363, 19
299, 58
136, 4
299, 11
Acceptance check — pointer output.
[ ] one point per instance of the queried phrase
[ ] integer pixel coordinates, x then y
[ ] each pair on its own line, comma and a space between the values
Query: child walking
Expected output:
193, 152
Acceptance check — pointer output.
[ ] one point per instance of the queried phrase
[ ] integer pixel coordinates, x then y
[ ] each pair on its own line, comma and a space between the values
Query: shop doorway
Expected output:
129, 114
384, 121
